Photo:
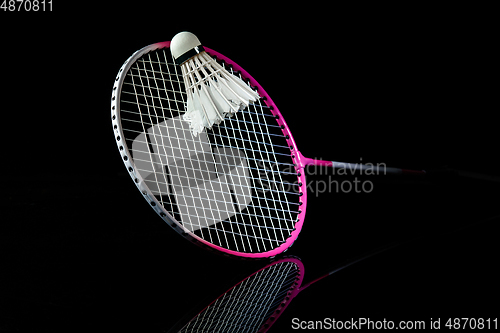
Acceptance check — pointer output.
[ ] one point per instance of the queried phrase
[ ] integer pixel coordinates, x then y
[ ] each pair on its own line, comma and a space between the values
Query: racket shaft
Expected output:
375, 169
358, 167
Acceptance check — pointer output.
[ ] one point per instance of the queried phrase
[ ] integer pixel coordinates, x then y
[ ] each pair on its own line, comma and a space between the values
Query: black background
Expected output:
412, 88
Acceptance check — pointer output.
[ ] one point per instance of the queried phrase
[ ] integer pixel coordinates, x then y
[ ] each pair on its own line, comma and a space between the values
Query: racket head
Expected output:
124, 142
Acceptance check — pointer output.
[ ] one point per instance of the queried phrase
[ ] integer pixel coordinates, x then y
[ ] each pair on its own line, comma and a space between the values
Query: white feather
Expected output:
212, 92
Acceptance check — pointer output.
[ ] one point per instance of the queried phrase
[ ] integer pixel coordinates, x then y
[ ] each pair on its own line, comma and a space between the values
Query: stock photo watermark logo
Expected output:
225, 175
330, 182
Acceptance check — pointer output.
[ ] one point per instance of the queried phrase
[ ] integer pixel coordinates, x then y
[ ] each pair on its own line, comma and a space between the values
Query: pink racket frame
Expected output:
298, 159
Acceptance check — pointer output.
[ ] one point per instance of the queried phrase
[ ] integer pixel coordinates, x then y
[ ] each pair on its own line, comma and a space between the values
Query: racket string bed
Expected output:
233, 185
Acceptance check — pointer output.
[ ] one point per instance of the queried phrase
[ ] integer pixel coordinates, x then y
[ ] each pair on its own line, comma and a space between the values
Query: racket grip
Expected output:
453, 174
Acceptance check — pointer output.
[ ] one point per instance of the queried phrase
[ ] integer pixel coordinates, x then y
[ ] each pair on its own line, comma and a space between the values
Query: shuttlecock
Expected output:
212, 92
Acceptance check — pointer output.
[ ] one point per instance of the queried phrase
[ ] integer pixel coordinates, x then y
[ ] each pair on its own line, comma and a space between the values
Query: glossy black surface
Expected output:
82, 251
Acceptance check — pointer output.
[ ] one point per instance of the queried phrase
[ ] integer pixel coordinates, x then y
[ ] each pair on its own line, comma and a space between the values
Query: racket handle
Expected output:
452, 174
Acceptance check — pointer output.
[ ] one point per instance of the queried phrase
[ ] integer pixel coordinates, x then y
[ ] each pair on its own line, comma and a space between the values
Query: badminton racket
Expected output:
238, 187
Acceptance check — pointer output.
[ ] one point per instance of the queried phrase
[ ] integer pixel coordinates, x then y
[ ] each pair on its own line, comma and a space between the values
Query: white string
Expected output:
227, 119
143, 127
163, 112
237, 204
272, 191
196, 90
279, 174
199, 139
260, 229
229, 146
186, 178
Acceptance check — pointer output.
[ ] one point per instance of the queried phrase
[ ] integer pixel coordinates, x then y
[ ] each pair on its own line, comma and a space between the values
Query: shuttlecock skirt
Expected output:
212, 92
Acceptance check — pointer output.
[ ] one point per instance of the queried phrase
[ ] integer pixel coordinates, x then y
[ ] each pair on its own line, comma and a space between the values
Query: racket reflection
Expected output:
254, 304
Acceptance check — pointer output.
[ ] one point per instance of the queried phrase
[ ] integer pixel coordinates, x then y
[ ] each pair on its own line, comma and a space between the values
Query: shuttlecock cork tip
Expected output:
184, 45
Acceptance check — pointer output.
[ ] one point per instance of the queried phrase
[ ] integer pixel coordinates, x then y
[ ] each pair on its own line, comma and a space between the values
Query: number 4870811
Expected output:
472, 323
26, 5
